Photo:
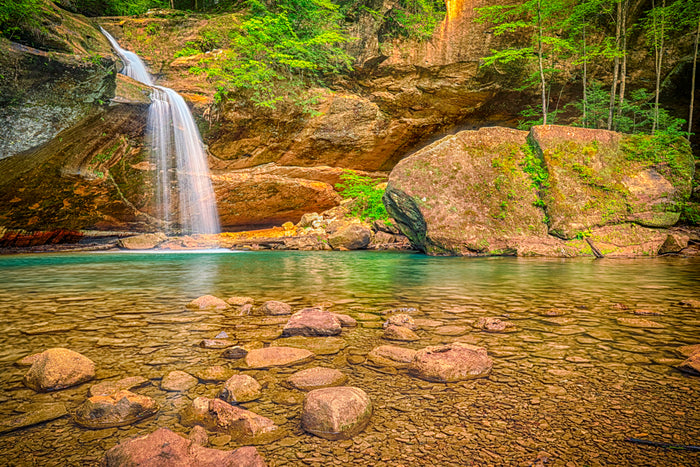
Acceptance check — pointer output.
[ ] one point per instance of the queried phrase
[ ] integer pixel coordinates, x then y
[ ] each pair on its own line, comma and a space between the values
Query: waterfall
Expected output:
176, 148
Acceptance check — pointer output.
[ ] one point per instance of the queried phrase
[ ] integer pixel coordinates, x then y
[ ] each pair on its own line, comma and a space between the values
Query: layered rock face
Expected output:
500, 191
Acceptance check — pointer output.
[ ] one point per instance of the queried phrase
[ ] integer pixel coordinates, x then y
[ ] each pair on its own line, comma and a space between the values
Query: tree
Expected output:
541, 22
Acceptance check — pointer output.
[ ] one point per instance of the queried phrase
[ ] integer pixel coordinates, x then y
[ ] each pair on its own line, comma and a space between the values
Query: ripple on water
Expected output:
572, 382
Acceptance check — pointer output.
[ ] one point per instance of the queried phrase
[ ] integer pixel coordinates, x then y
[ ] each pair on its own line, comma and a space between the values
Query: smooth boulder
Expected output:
401, 319
178, 381
118, 409
166, 448
240, 388
399, 333
106, 388
59, 368
142, 242
274, 308
316, 378
336, 413
350, 237
451, 362
312, 322
392, 356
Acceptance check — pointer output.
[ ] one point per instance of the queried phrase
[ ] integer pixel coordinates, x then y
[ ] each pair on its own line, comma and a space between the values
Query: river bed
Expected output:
570, 384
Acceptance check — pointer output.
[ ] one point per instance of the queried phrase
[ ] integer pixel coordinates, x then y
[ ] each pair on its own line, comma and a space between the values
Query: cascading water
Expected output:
176, 148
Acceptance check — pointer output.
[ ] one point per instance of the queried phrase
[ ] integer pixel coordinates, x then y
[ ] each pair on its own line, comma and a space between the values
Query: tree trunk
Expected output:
540, 62
585, 77
692, 85
616, 65
659, 54
623, 72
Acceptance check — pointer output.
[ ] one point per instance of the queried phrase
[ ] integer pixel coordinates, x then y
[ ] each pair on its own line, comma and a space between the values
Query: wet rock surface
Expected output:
277, 356
178, 381
450, 363
58, 369
106, 388
240, 388
217, 415
117, 409
336, 413
274, 308
312, 322
316, 378
163, 444
208, 301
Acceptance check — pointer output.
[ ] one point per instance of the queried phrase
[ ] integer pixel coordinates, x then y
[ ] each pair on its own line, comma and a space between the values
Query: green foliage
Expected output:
276, 51
367, 196
534, 167
112, 7
661, 148
187, 51
415, 19
16, 16
636, 116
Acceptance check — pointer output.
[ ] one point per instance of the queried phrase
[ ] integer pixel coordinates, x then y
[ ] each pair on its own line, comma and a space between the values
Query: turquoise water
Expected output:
573, 385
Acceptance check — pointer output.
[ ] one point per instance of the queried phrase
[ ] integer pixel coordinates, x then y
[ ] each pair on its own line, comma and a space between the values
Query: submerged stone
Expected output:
399, 333
207, 302
43, 414
392, 356
312, 322
110, 387
336, 413
274, 308
277, 356
317, 345
451, 362
240, 388
317, 377
178, 381
401, 319
164, 447
216, 415
57, 369
118, 409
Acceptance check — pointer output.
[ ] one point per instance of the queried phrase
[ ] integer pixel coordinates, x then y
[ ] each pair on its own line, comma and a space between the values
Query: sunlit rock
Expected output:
336, 413
451, 362
59, 368
117, 409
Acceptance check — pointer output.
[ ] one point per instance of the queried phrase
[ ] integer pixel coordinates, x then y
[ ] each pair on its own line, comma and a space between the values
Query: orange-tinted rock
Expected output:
216, 415
164, 444
117, 409
106, 388
336, 413
451, 362
275, 308
240, 388
142, 242
399, 333
316, 378
208, 301
350, 237
57, 369
277, 356
312, 322
391, 355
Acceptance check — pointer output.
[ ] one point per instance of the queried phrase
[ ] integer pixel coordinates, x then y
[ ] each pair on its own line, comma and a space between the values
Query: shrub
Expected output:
366, 194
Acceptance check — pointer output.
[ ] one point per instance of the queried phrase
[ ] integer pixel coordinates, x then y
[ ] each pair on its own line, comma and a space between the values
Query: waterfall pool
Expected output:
570, 384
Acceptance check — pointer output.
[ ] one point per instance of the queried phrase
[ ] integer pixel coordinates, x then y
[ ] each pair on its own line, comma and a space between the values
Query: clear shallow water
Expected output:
573, 385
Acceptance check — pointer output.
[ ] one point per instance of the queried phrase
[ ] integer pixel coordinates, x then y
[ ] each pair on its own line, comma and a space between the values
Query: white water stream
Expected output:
177, 152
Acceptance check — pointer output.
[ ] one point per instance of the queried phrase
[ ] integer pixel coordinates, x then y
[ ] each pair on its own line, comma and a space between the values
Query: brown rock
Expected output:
216, 344
118, 409
317, 377
691, 365
207, 301
178, 381
43, 414
163, 447
399, 333
277, 356
688, 350
450, 330
240, 388
318, 345
239, 301
59, 368
350, 237
401, 319
214, 374
106, 388
275, 308
345, 321
312, 322
336, 413
216, 415
690, 303
142, 242
494, 325
28, 360
234, 353
639, 323
674, 243
643, 312
390, 355
198, 435
451, 362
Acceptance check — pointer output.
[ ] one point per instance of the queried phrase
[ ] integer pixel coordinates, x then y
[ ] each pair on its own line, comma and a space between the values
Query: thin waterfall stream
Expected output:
177, 149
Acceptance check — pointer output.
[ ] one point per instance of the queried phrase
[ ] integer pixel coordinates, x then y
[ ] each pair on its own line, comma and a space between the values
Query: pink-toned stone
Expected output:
207, 302
216, 415
316, 378
451, 362
336, 413
59, 368
117, 409
391, 355
312, 322
277, 356
164, 448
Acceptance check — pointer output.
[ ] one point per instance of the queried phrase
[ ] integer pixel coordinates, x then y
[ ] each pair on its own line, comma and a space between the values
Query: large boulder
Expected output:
392, 356
164, 447
599, 177
350, 237
59, 368
336, 413
106, 388
312, 322
467, 194
142, 242
118, 409
451, 362
178, 381
275, 308
216, 415
207, 302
